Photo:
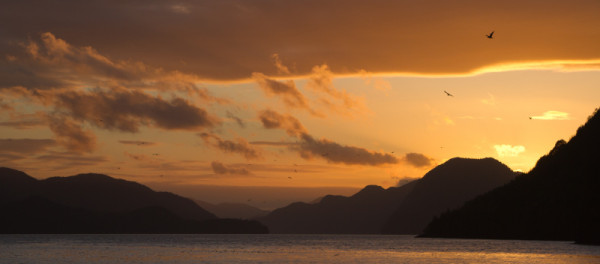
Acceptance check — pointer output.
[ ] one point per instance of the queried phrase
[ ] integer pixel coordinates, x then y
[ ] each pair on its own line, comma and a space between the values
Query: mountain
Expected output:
96, 192
446, 187
233, 210
37, 215
95, 203
556, 200
362, 213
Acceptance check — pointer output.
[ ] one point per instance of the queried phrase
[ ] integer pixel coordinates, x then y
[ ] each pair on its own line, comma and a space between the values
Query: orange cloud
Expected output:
128, 110
396, 36
552, 115
239, 146
418, 160
309, 147
71, 135
285, 89
220, 168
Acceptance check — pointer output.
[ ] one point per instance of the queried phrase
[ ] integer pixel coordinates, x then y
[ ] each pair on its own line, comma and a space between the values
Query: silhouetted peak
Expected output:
96, 178
455, 166
332, 198
8, 174
368, 191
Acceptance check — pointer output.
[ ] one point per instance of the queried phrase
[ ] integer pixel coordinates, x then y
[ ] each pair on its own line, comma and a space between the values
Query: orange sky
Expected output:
185, 95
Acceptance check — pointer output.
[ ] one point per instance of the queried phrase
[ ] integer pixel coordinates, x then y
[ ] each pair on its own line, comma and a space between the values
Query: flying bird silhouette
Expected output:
491, 35
448, 94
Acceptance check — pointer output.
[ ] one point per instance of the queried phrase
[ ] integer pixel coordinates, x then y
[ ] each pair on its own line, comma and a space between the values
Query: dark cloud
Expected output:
238, 120
271, 119
220, 168
239, 146
285, 89
418, 160
137, 142
50, 62
273, 143
25, 145
309, 147
128, 110
22, 121
71, 135
231, 39
24, 124
336, 153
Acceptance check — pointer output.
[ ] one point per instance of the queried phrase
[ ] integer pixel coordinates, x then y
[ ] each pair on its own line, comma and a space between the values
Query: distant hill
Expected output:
95, 203
446, 187
96, 192
362, 213
233, 210
557, 199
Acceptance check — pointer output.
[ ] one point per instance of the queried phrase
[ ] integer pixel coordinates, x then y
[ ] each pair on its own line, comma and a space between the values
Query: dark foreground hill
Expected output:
95, 203
362, 213
556, 200
233, 210
446, 187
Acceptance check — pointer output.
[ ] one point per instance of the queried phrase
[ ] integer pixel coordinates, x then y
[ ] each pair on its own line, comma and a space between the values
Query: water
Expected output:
32, 249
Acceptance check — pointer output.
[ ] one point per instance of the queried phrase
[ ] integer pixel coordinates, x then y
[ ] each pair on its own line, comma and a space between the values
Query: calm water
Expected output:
33, 249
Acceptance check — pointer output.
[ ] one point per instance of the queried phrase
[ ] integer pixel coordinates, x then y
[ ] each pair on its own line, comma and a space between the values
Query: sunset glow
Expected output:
187, 95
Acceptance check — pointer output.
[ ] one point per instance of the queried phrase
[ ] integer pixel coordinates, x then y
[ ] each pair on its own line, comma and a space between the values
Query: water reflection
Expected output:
284, 249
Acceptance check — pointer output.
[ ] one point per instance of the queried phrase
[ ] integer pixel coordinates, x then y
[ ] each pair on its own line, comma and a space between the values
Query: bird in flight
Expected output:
491, 35
448, 94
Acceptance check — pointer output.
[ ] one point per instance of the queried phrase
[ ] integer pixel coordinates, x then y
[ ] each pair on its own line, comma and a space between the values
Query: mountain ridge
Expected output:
556, 200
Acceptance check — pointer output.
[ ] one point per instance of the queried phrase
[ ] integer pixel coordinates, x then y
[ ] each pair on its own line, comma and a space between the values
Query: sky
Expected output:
268, 102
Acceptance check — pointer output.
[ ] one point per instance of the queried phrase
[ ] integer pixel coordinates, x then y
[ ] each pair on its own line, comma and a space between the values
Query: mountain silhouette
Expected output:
446, 187
233, 210
96, 192
362, 213
556, 200
95, 203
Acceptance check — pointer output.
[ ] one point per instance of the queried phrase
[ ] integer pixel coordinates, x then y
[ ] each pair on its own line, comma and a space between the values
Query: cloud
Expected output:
418, 160
137, 142
273, 143
271, 119
508, 150
333, 152
25, 145
158, 33
51, 63
128, 110
238, 120
220, 168
281, 69
71, 135
377, 83
285, 89
321, 81
239, 146
309, 147
552, 115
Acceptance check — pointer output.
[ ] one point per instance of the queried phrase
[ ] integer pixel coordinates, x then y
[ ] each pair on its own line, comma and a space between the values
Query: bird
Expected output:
491, 35
448, 94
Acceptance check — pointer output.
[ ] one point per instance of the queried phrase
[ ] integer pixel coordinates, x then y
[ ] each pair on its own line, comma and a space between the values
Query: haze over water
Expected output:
37, 249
